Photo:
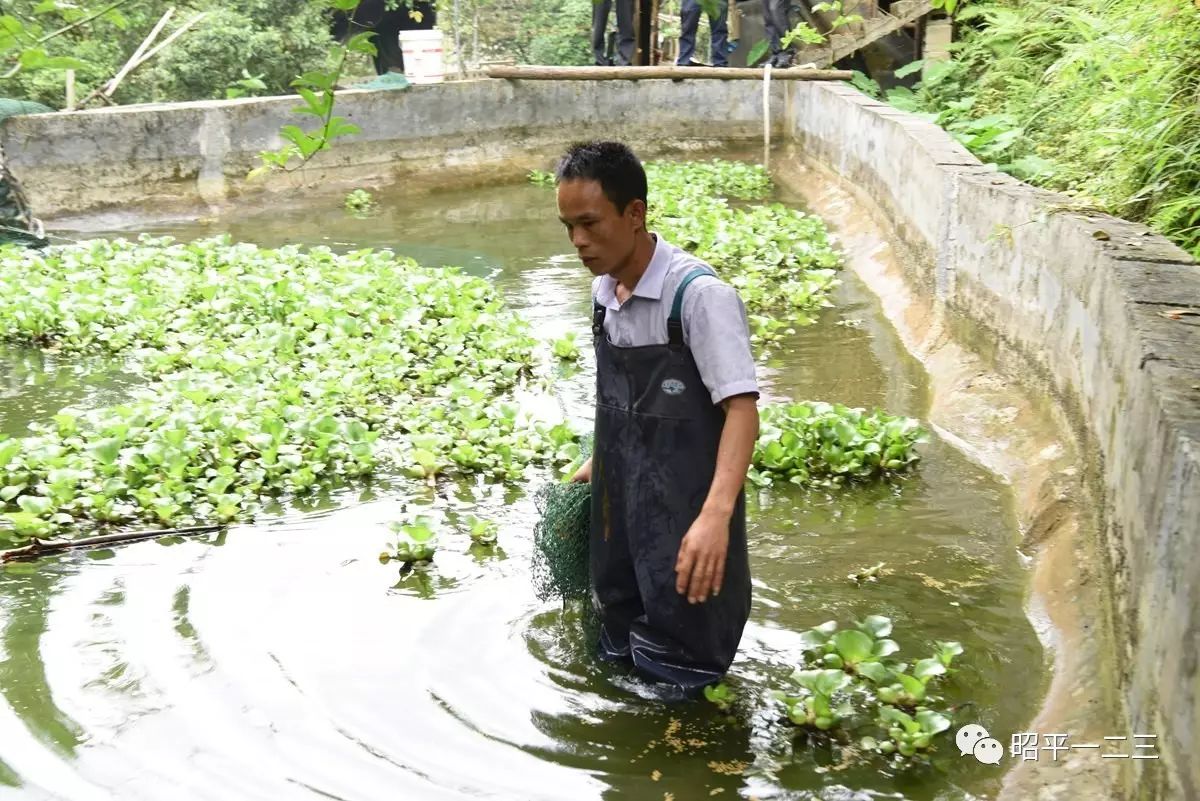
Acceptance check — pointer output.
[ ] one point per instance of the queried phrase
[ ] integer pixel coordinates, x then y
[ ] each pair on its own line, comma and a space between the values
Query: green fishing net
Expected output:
560, 538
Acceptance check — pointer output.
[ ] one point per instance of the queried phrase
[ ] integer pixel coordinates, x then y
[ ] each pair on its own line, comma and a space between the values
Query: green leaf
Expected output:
34, 504
932, 721
884, 648
9, 448
813, 639
852, 646
946, 651
830, 681
891, 715
926, 669
61, 63
339, 127
875, 671
910, 68
32, 58
107, 450
315, 79
913, 686
361, 43
758, 52
877, 626
317, 105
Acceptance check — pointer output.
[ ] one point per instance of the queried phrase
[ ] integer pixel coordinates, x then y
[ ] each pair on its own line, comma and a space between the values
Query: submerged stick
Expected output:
534, 73
37, 547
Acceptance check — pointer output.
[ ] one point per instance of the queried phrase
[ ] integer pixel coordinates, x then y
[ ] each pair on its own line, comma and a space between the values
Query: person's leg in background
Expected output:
719, 27
775, 20
600, 9
626, 43
689, 23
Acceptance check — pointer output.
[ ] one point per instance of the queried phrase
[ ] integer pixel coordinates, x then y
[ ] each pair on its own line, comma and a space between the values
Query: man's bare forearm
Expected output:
733, 455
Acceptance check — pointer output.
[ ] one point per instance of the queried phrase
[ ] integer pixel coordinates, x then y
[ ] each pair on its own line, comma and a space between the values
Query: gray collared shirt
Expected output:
714, 319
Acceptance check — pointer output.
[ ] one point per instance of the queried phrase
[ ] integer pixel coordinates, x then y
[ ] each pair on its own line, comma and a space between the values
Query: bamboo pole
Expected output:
534, 73
115, 81
38, 547
105, 92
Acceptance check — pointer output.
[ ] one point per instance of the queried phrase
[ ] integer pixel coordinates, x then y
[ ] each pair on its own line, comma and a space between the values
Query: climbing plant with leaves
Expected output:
316, 88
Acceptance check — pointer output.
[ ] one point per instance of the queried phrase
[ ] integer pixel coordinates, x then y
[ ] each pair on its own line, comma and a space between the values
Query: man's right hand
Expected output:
584, 474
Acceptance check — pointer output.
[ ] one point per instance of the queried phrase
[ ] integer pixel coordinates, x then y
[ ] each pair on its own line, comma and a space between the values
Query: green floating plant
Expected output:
822, 443
566, 348
359, 201
267, 373
416, 541
483, 532
851, 680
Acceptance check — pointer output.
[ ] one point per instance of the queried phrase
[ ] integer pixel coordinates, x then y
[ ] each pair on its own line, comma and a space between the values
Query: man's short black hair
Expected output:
613, 164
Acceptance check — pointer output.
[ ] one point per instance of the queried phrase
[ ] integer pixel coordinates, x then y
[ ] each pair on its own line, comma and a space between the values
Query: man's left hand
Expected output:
700, 568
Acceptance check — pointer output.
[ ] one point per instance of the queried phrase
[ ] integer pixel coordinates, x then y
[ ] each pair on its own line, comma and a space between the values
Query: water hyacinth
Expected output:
851, 680
268, 371
823, 443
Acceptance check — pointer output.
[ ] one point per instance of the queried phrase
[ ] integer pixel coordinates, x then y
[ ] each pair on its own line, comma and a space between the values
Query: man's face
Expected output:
603, 237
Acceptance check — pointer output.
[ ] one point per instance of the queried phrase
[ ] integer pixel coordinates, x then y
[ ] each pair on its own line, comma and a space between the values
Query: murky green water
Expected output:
282, 660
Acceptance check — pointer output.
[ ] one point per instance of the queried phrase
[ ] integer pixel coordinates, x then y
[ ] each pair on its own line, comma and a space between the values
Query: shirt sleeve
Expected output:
716, 331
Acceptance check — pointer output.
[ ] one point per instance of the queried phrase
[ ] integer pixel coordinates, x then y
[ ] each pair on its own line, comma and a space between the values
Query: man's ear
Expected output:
637, 212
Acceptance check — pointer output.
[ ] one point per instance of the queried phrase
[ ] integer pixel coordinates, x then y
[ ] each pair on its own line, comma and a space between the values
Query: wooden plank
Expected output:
536, 73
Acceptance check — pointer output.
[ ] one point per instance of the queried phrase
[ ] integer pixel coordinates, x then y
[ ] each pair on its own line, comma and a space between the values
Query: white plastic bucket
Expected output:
423, 62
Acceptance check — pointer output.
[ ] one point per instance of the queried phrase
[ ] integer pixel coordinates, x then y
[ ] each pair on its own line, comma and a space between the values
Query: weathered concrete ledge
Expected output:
996, 285
188, 156
1071, 304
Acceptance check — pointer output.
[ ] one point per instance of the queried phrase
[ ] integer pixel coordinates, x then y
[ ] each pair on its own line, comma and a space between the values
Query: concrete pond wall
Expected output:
1055, 350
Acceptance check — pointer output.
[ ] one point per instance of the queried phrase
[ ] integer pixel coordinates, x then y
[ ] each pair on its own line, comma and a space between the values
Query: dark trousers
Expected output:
775, 20
625, 40
689, 19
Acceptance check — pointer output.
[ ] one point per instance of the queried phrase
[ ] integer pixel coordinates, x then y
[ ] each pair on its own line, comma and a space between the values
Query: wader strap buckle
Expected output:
597, 320
675, 321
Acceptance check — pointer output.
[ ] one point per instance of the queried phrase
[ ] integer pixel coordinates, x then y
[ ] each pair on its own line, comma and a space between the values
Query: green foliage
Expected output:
268, 372
415, 541
566, 348
1095, 98
848, 680
804, 34
551, 32
720, 695
822, 443
483, 532
779, 259
359, 201
271, 41
541, 178
246, 86
760, 50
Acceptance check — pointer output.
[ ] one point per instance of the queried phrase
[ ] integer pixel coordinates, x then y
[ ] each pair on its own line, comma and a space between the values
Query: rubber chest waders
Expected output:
657, 433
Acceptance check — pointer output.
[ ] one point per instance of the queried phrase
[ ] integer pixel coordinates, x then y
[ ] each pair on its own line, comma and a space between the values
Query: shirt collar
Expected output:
649, 286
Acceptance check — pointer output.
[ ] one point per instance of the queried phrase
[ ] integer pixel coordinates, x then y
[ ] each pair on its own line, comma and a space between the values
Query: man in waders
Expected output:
676, 421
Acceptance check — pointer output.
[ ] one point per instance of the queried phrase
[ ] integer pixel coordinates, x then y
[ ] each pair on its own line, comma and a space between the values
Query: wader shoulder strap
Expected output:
597, 320
675, 321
